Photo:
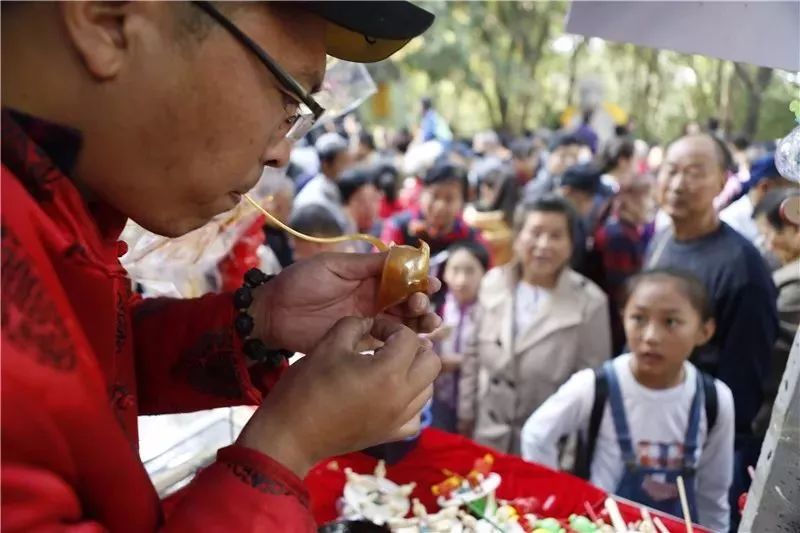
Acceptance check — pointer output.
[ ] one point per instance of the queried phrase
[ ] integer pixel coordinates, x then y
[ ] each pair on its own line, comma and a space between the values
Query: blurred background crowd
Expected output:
608, 208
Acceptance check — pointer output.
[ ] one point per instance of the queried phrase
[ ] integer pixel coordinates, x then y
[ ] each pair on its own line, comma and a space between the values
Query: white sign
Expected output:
761, 33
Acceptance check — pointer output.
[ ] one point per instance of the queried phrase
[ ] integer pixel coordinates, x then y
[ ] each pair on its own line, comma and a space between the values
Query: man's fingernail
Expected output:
422, 303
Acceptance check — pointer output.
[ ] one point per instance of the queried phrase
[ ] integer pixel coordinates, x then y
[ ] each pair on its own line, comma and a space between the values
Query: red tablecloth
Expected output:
437, 450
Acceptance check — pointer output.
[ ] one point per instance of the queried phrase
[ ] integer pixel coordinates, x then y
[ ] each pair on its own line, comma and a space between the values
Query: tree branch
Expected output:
741, 71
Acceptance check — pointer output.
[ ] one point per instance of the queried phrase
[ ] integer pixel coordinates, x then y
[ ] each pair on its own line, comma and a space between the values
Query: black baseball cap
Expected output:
583, 177
370, 31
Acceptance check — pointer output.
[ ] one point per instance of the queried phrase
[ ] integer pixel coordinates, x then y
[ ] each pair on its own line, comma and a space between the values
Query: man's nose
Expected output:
277, 155
677, 182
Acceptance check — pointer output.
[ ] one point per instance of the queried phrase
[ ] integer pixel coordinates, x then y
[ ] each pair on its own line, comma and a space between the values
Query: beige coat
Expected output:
503, 382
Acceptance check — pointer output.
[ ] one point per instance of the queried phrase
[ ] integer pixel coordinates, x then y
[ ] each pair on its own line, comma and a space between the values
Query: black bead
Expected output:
244, 324
255, 349
274, 359
242, 298
254, 277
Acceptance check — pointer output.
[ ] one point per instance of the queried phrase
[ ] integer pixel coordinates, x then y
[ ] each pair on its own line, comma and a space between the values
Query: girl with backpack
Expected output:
650, 416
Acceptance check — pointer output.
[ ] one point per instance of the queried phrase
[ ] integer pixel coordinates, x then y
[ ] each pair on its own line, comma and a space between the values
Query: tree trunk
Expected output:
643, 115
573, 70
755, 87
718, 84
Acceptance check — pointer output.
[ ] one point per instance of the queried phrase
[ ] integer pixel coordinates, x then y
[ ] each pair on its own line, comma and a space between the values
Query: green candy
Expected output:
581, 524
550, 525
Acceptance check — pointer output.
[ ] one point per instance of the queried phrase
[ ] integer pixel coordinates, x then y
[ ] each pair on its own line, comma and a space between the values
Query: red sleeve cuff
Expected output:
256, 380
262, 473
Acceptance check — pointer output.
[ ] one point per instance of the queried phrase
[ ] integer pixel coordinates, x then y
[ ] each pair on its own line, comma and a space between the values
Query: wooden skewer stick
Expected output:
616, 517
646, 518
660, 525
590, 512
687, 517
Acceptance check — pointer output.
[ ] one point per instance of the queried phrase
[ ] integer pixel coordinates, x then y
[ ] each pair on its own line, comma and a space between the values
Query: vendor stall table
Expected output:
437, 450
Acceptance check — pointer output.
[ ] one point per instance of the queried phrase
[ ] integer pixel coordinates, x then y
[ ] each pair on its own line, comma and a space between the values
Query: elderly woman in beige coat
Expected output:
538, 322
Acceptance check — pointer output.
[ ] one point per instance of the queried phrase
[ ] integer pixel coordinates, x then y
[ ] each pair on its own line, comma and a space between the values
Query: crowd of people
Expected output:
619, 310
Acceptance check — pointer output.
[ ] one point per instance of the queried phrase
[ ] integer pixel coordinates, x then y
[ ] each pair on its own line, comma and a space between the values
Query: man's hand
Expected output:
451, 362
294, 310
440, 334
345, 401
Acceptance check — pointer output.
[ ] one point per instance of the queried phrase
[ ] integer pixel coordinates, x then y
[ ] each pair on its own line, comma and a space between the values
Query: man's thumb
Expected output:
356, 267
347, 332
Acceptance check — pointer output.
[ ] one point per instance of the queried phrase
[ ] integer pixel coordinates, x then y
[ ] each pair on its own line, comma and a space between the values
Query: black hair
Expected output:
330, 157
401, 140
476, 249
770, 206
567, 139
583, 177
366, 139
691, 287
427, 103
724, 155
507, 193
351, 180
385, 177
618, 148
315, 220
522, 148
443, 171
741, 142
549, 203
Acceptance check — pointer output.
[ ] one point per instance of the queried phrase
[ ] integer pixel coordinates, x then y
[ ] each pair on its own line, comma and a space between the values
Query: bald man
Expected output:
735, 275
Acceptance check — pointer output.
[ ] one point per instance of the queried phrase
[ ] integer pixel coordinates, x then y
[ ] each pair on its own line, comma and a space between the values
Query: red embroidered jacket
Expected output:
82, 357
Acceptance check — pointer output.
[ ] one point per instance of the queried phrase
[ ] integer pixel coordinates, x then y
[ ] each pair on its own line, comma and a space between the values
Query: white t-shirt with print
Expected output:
654, 417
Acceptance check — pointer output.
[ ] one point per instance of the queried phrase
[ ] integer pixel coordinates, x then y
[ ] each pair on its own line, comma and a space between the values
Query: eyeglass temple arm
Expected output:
265, 58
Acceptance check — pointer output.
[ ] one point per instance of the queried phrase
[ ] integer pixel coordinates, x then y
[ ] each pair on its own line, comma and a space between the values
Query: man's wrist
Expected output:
279, 445
260, 310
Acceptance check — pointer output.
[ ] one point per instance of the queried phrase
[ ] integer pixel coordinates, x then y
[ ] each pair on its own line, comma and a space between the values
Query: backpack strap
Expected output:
600, 397
712, 402
587, 444
583, 466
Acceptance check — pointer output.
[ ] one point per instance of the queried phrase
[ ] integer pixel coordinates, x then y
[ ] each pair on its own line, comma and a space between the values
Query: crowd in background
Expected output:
559, 251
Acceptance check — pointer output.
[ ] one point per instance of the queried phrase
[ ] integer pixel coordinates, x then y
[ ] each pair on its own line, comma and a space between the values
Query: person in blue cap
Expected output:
764, 177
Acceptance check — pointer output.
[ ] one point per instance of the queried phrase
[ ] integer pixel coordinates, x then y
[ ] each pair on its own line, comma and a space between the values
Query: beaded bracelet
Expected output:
254, 349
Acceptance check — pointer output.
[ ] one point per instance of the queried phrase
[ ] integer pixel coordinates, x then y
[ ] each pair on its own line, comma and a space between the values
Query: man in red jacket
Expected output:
166, 113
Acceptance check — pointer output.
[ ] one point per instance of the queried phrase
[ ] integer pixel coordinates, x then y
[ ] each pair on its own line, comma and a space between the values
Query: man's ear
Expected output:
706, 332
723, 180
98, 33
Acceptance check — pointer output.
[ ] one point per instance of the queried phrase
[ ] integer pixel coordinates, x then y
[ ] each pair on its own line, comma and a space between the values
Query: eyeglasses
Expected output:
308, 110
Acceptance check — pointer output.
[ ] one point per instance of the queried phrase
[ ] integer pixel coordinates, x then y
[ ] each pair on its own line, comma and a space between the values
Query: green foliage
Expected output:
509, 65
